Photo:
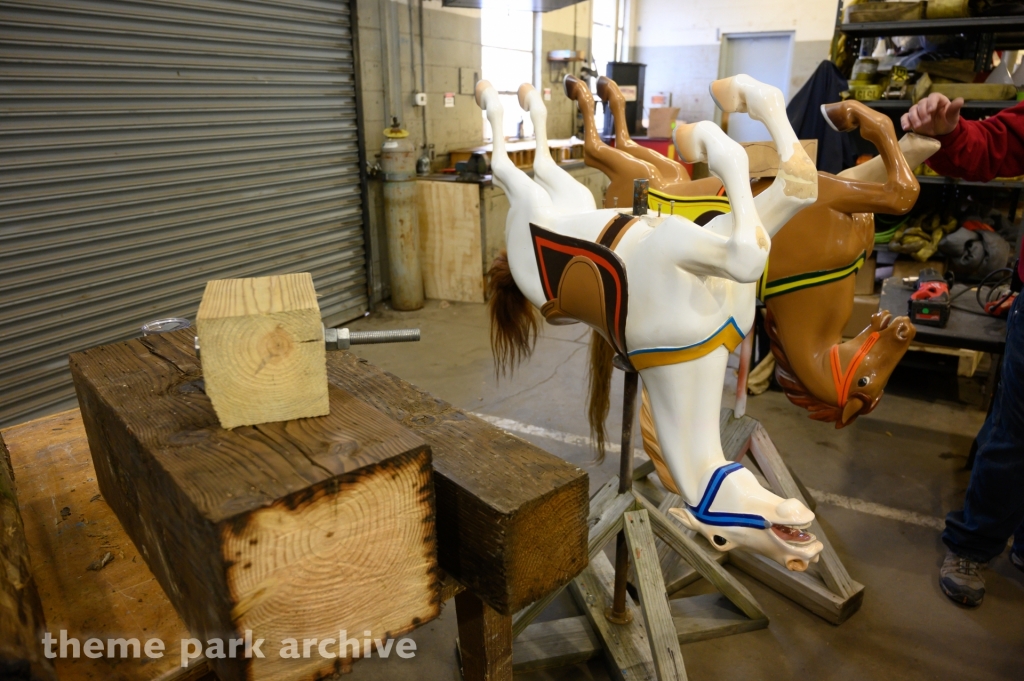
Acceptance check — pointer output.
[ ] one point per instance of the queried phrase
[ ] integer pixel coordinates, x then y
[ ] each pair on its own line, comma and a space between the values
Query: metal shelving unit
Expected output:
874, 29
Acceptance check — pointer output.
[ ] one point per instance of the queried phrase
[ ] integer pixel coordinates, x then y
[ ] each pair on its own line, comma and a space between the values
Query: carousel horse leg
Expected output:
567, 195
797, 179
527, 199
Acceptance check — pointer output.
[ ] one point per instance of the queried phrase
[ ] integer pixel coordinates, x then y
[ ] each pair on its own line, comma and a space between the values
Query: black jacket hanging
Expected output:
836, 150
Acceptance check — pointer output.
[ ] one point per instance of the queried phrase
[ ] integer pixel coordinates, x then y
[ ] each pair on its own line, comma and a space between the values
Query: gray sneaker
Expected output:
961, 580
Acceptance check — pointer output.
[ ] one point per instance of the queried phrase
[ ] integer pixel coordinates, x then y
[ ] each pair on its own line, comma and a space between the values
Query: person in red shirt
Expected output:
994, 505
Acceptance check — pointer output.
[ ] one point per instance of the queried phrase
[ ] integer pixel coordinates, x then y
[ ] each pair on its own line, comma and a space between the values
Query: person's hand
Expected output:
933, 116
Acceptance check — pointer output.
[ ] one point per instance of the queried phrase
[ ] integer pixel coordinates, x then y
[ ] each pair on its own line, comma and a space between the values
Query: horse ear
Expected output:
850, 412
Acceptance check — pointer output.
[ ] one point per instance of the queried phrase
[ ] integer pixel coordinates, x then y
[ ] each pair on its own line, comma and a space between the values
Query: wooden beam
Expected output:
698, 618
661, 632
69, 525
264, 528
626, 649
263, 350
485, 640
555, 643
605, 522
22, 623
832, 570
804, 588
511, 518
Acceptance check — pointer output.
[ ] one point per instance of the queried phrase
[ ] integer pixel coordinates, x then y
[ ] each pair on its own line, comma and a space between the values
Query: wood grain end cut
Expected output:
263, 353
354, 555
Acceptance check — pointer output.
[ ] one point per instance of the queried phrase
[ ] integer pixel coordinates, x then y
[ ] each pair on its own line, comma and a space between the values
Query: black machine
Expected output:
628, 75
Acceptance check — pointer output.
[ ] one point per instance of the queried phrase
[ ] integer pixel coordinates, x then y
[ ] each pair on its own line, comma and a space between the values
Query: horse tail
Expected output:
599, 383
514, 324
651, 445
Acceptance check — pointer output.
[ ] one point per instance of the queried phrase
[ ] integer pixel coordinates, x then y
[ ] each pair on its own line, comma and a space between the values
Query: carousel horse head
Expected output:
860, 369
773, 527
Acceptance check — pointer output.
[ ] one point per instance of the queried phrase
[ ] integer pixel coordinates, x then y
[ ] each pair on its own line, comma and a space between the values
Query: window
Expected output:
608, 37
506, 37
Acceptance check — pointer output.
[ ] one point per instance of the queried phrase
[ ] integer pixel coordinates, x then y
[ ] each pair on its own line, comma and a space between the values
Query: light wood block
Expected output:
449, 215
51, 460
21, 612
292, 530
661, 632
263, 351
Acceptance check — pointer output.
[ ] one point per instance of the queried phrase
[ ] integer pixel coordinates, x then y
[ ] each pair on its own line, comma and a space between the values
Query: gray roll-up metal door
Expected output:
147, 147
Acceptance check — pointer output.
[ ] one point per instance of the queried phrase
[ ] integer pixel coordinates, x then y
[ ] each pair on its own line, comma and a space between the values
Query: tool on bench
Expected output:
930, 303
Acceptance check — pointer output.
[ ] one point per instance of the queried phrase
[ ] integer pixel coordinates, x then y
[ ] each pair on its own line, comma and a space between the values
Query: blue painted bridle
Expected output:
701, 512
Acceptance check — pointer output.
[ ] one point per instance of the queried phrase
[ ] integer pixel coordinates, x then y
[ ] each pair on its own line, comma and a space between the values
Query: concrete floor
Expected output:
908, 454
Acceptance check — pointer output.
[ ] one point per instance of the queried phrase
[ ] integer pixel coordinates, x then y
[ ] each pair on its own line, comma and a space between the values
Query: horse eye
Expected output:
863, 381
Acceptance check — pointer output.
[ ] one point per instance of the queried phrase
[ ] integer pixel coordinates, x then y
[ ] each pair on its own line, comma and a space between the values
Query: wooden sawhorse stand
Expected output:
675, 559
640, 643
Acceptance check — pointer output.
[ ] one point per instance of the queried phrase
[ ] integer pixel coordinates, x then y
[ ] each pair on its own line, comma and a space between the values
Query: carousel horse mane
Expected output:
514, 329
514, 323
797, 393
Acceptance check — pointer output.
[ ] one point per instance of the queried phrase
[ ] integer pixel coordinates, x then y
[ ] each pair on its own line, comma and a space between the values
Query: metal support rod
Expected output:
746, 349
640, 187
618, 613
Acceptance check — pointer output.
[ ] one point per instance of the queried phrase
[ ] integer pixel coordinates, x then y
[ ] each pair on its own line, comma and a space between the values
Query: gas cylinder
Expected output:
398, 166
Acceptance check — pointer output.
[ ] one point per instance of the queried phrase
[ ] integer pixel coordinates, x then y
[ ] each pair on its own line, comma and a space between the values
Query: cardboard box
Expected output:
863, 308
661, 121
865, 285
911, 268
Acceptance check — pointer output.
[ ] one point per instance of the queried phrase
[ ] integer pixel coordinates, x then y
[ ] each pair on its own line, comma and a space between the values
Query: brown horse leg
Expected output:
669, 171
620, 167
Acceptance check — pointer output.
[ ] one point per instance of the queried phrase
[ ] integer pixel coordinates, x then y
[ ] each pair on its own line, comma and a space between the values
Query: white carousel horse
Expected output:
686, 303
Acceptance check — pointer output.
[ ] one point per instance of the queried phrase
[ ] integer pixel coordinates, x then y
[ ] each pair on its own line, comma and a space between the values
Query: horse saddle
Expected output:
585, 281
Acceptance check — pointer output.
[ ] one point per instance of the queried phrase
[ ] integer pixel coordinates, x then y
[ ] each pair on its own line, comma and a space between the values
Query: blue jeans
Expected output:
994, 507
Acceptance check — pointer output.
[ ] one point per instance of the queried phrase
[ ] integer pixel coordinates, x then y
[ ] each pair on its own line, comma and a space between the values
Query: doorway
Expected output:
767, 57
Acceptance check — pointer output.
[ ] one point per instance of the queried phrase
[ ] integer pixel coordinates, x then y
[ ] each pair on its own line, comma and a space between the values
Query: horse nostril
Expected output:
901, 331
719, 540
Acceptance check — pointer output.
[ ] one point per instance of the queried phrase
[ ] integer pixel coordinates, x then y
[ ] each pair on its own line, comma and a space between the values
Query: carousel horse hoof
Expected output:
728, 93
571, 84
481, 88
605, 87
524, 96
840, 116
736, 512
686, 143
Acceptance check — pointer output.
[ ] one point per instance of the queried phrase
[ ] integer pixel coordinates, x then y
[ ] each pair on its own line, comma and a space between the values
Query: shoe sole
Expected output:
959, 599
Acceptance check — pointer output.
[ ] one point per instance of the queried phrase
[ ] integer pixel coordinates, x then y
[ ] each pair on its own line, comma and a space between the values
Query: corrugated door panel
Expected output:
147, 147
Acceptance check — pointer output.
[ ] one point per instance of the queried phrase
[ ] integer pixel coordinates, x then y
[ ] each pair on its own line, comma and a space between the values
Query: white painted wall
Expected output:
699, 22
679, 40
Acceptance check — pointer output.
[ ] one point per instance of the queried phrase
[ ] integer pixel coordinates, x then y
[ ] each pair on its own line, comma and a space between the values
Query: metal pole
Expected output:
746, 348
618, 613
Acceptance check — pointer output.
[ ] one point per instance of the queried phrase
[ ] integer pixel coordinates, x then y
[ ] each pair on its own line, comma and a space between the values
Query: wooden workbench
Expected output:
511, 527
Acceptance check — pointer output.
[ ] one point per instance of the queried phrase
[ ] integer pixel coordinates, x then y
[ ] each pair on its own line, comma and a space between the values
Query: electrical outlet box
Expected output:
420, 98
467, 80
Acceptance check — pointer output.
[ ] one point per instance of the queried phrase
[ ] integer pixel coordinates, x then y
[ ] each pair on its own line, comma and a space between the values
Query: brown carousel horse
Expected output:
670, 190
809, 292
